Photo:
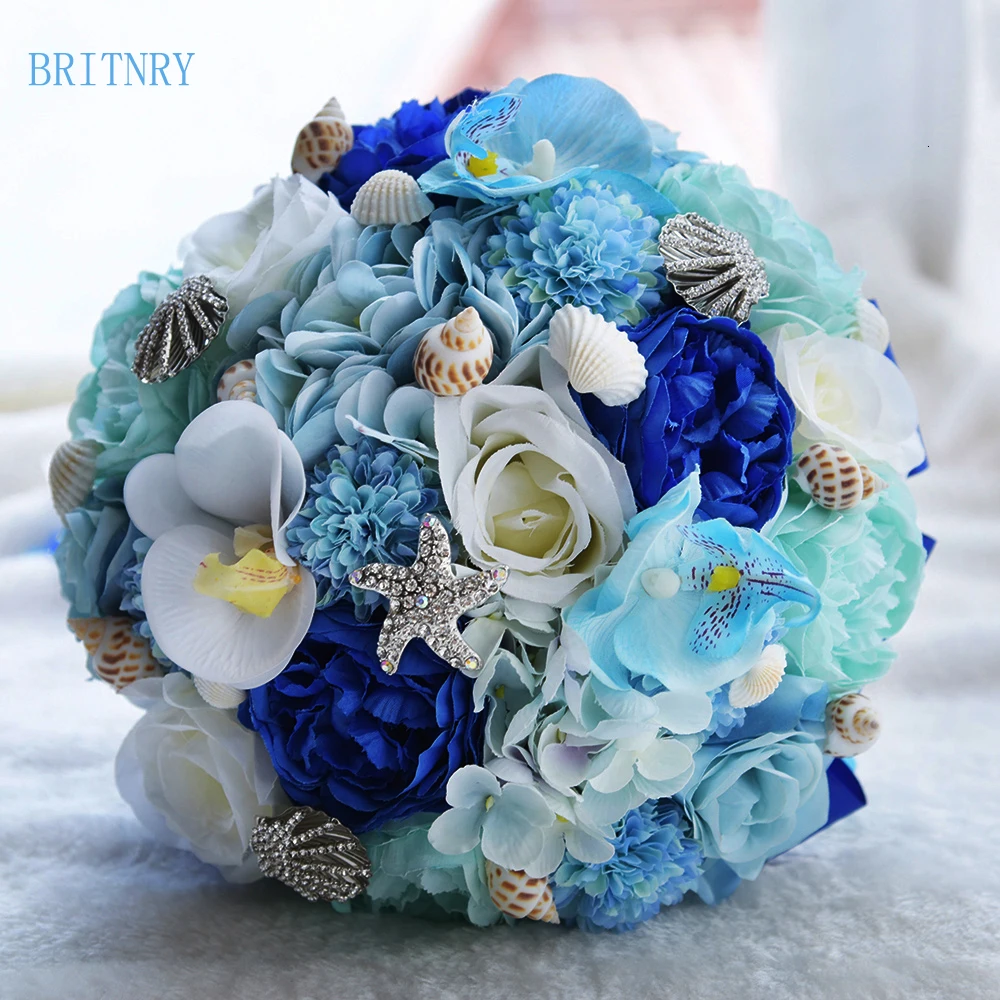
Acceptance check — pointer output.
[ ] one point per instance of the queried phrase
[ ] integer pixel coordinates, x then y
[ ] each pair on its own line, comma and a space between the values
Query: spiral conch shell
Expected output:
852, 725
239, 381
598, 357
761, 680
454, 357
71, 474
219, 695
519, 895
322, 143
835, 478
390, 197
117, 654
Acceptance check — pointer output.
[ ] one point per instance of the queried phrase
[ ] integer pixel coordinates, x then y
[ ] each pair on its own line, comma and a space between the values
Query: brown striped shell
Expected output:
71, 474
322, 143
852, 725
454, 357
239, 381
519, 895
834, 478
117, 654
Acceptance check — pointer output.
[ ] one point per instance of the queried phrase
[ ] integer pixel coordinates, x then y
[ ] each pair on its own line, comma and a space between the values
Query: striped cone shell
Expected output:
321, 144
454, 357
517, 894
834, 478
117, 654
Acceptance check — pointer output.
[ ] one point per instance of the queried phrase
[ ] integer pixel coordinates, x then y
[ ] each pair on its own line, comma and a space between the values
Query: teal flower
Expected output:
807, 285
867, 564
130, 419
583, 244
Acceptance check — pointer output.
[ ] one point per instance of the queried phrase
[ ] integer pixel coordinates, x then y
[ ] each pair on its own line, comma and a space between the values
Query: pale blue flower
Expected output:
583, 244
654, 864
725, 718
531, 136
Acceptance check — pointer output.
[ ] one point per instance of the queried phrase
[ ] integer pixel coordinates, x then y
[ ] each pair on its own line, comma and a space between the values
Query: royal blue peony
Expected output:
360, 744
712, 401
411, 140
654, 865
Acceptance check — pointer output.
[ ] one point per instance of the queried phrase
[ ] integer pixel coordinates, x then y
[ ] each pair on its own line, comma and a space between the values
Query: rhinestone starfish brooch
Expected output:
426, 600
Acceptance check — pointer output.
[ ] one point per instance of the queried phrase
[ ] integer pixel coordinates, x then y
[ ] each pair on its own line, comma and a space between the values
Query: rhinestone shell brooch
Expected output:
713, 269
180, 330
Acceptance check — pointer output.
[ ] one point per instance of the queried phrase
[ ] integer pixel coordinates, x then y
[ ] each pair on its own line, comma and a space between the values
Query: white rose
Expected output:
847, 393
195, 777
250, 252
530, 488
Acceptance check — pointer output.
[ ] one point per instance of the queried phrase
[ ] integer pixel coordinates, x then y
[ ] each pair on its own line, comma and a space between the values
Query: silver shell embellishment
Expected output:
71, 474
312, 853
712, 268
180, 330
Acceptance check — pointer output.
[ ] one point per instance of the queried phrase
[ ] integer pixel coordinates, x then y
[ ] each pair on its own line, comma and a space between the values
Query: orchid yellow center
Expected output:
257, 583
488, 804
483, 166
724, 578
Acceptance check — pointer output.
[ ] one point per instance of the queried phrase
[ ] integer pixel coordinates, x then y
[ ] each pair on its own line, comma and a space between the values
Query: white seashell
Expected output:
834, 477
71, 474
852, 725
761, 680
454, 357
872, 329
322, 143
598, 357
519, 895
117, 654
239, 381
219, 695
388, 197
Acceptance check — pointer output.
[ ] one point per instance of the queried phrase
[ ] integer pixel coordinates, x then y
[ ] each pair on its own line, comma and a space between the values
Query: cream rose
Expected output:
195, 777
249, 252
530, 488
849, 394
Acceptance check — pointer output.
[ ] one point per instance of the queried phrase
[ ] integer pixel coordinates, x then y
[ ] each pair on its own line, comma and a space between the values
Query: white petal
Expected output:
683, 711
156, 502
617, 774
664, 759
207, 636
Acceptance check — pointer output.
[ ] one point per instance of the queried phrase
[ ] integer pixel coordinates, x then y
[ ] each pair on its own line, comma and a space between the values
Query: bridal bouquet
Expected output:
500, 515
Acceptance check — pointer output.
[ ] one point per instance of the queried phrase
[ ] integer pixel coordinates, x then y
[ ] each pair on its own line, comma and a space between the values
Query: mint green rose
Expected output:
867, 564
132, 420
807, 285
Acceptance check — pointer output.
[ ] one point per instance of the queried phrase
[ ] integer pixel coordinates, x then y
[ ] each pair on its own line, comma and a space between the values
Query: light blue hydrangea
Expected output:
363, 504
654, 864
725, 718
583, 244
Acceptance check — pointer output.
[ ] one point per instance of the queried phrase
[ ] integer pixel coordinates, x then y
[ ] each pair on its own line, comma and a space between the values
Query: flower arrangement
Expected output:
498, 516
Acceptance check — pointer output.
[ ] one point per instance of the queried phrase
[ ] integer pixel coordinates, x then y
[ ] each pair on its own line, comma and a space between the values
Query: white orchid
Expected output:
228, 492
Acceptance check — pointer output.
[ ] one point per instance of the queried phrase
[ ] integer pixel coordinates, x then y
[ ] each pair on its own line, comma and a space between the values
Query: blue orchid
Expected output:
537, 135
707, 598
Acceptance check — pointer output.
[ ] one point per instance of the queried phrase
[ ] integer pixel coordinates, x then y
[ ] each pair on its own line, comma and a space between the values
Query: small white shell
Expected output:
761, 680
519, 895
871, 329
835, 478
852, 725
598, 357
388, 197
239, 381
219, 695
71, 474
454, 357
117, 654
322, 143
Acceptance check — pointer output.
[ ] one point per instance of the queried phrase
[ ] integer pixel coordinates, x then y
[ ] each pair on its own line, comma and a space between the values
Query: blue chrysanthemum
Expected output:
580, 244
654, 865
363, 504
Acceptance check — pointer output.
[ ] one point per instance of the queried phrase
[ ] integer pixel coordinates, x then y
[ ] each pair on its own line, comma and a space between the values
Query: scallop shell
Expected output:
598, 357
117, 654
761, 680
71, 474
834, 477
454, 357
219, 695
180, 330
239, 381
713, 269
322, 143
852, 725
388, 197
871, 329
519, 895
